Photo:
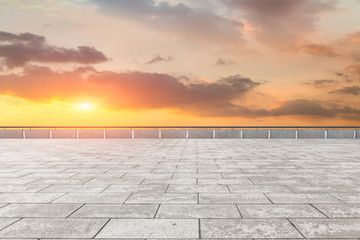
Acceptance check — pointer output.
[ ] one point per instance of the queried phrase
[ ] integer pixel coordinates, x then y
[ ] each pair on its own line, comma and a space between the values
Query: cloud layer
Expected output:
141, 90
18, 49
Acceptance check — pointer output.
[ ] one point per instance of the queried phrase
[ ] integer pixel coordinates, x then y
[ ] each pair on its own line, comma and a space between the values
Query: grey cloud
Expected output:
179, 21
158, 58
320, 83
223, 62
18, 49
280, 23
352, 90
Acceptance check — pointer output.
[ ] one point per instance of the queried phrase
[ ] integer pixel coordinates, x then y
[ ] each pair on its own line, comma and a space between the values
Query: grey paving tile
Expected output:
162, 198
240, 181
4, 222
176, 188
114, 181
302, 198
93, 198
28, 197
48, 181
328, 228
233, 198
348, 197
150, 228
75, 188
261, 181
171, 181
38, 210
340, 210
116, 211
53, 228
320, 189
259, 189
198, 211
22, 188
247, 228
311, 169
137, 188
279, 211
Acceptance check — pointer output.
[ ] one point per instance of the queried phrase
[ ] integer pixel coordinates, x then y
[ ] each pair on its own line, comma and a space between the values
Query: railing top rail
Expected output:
186, 127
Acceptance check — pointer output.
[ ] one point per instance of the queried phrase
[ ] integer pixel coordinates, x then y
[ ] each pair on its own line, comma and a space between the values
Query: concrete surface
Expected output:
228, 133
180, 189
173, 133
37, 133
284, 134
11, 133
311, 133
63, 133
146, 133
255, 133
118, 133
340, 133
181, 133
201, 133
91, 133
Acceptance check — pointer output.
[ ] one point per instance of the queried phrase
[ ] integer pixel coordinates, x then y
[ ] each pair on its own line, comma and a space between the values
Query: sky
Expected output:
179, 62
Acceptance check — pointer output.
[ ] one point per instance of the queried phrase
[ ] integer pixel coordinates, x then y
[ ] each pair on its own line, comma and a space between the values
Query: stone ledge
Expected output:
181, 133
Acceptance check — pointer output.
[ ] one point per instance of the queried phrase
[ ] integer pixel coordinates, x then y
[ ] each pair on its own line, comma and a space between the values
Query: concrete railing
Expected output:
270, 132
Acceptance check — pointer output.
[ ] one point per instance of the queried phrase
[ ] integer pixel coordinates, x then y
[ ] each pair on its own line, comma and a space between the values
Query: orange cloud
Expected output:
140, 90
318, 50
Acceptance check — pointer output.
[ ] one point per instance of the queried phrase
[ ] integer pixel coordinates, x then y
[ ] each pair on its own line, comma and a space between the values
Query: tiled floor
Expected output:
188, 189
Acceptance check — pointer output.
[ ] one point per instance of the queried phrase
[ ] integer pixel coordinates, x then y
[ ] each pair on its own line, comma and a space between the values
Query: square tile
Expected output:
302, 198
53, 228
176, 188
28, 197
247, 228
137, 188
116, 211
258, 189
75, 188
151, 228
233, 198
93, 198
198, 211
4, 222
38, 210
328, 228
162, 198
340, 210
348, 197
279, 211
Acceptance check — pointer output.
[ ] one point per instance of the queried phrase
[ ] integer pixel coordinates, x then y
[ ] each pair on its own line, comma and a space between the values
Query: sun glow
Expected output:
86, 106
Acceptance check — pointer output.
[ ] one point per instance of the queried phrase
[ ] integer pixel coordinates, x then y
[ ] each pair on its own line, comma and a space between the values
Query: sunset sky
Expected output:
179, 62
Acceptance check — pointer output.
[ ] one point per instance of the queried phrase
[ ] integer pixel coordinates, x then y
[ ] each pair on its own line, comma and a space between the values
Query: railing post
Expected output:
326, 133
50, 134
104, 133
187, 133
159, 133
269, 134
213, 133
77, 133
241, 134
296, 133
132, 133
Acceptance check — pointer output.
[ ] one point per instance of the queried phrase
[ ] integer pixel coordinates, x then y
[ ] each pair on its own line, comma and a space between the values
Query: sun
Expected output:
86, 106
